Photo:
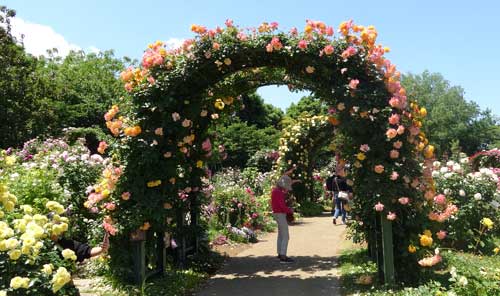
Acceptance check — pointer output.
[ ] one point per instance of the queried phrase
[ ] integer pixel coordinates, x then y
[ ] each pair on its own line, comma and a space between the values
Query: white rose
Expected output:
435, 174
447, 191
436, 164
478, 196
464, 160
450, 163
443, 170
461, 192
457, 168
448, 175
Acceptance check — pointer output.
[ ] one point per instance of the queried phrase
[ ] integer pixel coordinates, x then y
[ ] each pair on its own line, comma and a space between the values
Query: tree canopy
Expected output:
450, 116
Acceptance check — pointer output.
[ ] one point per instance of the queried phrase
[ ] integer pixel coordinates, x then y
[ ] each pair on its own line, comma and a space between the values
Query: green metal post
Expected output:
388, 251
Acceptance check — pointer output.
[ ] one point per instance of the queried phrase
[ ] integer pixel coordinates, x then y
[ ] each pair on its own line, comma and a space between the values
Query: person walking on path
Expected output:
280, 211
341, 194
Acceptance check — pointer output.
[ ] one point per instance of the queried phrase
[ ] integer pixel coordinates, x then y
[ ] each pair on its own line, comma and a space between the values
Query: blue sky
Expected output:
459, 39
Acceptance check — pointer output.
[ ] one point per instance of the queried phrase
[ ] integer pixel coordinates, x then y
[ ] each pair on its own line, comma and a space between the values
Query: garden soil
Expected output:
314, 244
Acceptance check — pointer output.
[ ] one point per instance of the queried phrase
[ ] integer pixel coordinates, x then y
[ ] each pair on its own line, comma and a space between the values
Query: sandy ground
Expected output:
314, 244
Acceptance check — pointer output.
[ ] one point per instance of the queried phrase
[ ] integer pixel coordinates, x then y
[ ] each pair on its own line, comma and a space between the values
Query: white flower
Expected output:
478, 196
457, 168
461, 192
435, 174
450, 163
443, 170
436, 164
448, 175
464, 160
447, 191
463, 281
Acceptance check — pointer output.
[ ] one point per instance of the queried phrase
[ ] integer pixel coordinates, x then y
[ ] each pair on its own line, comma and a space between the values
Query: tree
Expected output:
256, 112
449, 116
17, 96
241, 141
41, 96
307, 105
79, 89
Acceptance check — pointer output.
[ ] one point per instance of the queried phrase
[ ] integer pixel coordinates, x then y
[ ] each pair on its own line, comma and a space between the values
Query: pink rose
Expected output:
404, 200
401, 130
110, 206
397, 144
394, 154
441, 234
365, 148
391, 133
379, 207
302, 44
394, 176
206, 145
440, 199
391, 216
353, 84
126, 195
379, 169
394, 119
175, 116
186, 123
414, 130
328, 50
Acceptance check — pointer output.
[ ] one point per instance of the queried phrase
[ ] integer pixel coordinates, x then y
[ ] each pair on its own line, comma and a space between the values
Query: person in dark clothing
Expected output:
337, 184
83, 250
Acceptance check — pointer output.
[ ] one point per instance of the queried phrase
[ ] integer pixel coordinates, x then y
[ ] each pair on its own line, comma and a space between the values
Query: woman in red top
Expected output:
280, 210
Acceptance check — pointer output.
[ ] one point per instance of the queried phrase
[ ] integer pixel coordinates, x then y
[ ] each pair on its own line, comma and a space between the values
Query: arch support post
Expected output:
388, 251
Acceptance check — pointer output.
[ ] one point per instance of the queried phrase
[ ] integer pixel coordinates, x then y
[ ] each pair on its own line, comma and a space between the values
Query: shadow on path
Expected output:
265, 275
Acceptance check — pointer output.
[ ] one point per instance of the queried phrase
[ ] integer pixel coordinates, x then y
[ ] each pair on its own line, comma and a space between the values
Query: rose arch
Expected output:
175, 95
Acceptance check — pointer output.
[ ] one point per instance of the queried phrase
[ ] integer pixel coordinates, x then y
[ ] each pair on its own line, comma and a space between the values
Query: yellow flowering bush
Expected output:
27, 251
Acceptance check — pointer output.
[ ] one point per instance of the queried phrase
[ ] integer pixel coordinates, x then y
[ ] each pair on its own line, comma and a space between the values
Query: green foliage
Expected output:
17, 94
263, 160
258, 113
39, 96
307, 106
450, 117
242, 141
462, 274
310, 209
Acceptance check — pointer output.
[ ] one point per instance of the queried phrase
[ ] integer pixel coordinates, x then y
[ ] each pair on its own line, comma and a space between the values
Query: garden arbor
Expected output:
177, 94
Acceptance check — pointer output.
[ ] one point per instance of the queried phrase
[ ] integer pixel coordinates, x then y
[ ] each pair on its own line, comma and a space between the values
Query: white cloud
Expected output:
174, 43
39, 38
93, 49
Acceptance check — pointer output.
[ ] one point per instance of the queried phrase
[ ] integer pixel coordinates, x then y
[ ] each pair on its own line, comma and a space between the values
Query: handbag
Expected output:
342, 195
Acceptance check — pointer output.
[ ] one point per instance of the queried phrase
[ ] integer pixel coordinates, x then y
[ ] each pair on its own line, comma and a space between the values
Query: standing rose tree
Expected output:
175, 95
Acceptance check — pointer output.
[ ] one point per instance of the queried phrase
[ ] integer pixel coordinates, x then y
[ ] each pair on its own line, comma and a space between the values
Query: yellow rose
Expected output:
487, 222
199, 164
60, 278
55, 207
496, 250
154, 183
68, 254
361, 156
47, 268
219, 104
10, 160
412, 249
14, 254
19, 282
425, 241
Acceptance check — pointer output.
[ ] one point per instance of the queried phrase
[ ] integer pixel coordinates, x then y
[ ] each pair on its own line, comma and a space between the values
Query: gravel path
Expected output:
314, 244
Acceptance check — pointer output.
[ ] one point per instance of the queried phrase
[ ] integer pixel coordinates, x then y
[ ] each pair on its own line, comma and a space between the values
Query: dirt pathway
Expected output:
314, 244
